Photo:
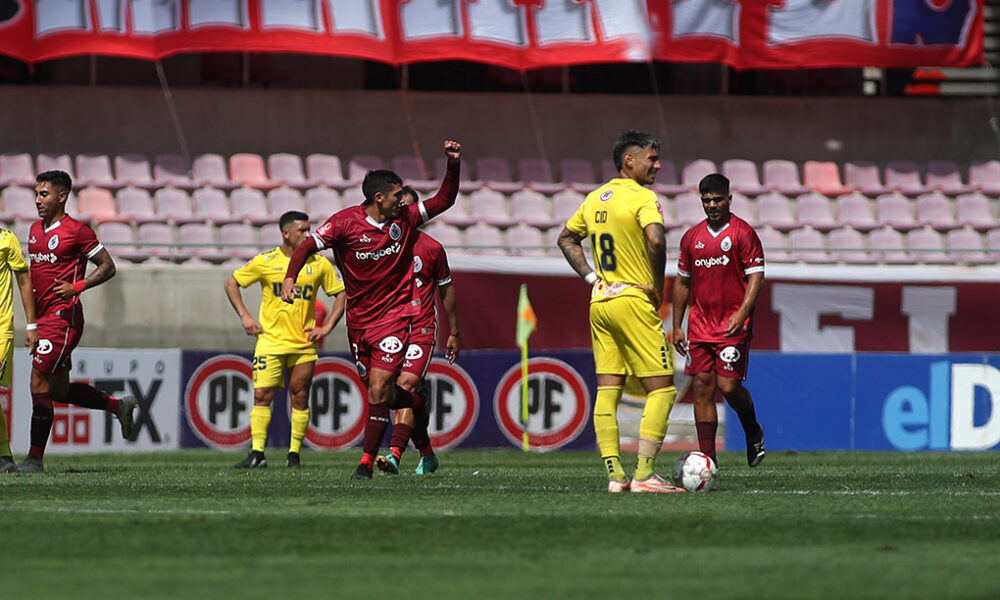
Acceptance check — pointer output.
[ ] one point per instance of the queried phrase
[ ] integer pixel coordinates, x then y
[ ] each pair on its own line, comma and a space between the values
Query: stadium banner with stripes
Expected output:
519, 34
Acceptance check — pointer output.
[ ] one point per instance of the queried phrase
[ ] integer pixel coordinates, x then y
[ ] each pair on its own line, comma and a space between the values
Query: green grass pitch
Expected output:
500, 524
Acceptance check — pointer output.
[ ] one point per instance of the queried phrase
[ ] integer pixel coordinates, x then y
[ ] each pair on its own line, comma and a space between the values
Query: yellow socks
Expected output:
300, 422
260, 419
606, 429
4, 437
653, 427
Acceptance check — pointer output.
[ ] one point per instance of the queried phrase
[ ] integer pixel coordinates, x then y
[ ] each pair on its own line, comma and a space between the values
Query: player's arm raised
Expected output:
105, 270
295, 264
448, 192
28, 302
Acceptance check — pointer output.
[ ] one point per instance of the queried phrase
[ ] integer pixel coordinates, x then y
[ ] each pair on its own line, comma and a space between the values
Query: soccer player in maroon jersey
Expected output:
720, 273
431, 274
372, 244
59, 247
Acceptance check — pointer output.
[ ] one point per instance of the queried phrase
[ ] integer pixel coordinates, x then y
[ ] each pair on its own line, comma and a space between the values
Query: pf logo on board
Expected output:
558, 404
453, 400
337, 406
218, 400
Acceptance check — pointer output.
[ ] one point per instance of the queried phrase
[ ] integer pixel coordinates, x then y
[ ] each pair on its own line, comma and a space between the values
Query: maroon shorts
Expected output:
418, 358
380, 346
56, 341
725, 358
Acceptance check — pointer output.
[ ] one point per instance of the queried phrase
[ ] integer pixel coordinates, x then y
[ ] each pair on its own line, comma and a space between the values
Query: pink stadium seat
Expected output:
174, 205
966, 246
855, 210
531, 208
270, 237
248, 170
847, 245
894, 210
775, 246
667, 210
783, 176
816, 211
927, 246
489, 206
249, 204
552, 242
495, 173
536, 173
120, 241
448, 236
325, 169
935, 210
414, 173
886, 245
18, 204
134, 170
688, 209
609, 172
210, 169
974, 211
578, 173
137, 205
993, 243
353, 196
55, 162
740, 206
743, 176
16, 169
984, 175
282, 200
864, 176
525, 240
458, 215
239, 240
95, 170
197, 240
904, 176
673, 238
824, 177
360, 164
98, 206
211, 204
466, 184
286, 169
21, 229
944, 176
695, 170
321, 202
564, 204
667, 182
775, 210
807, 245
172, 170
485, 239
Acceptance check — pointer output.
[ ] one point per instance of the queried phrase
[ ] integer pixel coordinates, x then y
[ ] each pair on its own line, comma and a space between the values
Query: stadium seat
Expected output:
211, 170
56, 162
531, 208
95, 170
886, 245
97, 205
212, 205
360, 164
448, 236
609, 172
239, 240
489, 206
134, 170
694, 171
174, 205
466, 182
282, 200
120, 241
673, 238
485, 239
157, 240
286, 169
525, 240
993, 244
927, 246
783, 176
172, 170
823, 177
807, 245
21, 229
743, 177
536, 173
966, 246
984, 175
667, 182
974, 211
18, 204
353, 196
270, 237
414, 173
688, 209
847, 245
864, 177
935, 210
247, 169
775, 246
136, 205
816, 210
250, 204
894, 210
904, 176
855, 210
741, 206
321, 202
944, 176
16, 169
325, 169
578, 173
775, 210
197, 240
495, 173
564, 204
552, 242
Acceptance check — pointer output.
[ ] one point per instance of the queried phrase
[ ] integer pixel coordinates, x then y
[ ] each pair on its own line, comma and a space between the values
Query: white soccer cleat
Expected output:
654, 483
616, 486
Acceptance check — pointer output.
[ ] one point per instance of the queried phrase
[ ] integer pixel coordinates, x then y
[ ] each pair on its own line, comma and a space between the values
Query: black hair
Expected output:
378, 181
632, 139
409, 191
714, 183
56, 178
290, 217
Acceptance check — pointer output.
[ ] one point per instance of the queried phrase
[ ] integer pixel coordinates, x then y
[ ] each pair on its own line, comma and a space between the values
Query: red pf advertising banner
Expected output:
519, 34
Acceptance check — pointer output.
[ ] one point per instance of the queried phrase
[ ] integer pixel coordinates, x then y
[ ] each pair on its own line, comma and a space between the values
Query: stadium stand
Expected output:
525, 240
495, 173
212, 205
775, 210
211, 170
174, 205
136, 205
197, 240
172, 170
536, 173
485, 239
984, 176
239, 240
847, 245
325, 169
864, 177
448, 235
414, 173
250, 205
741, 206
783, 176
466, 183
531, 208
966, 246
490, 207
807, 245
695, 170
360, 164
18, 204
564, 204
775, 245
936, 210
321, 202
927, 246
855, 210
944, 176
95, 170
894, 210
742, 174
134, 170
578, 173
286, 169
816, 210
52, 162
16, 169
904, 176
247, 169
974, 210
687, 208
886, 245
97, 205
282, 200
824, 177
157, 240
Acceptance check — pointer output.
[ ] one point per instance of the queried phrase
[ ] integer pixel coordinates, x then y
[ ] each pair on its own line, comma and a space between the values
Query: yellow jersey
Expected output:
11, 259
613, 218
283, 323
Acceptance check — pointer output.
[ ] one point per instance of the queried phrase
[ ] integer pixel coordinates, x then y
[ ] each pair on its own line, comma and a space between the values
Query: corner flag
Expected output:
526, 324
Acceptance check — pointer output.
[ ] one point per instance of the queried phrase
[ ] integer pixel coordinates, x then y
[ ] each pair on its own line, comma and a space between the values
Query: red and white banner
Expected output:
520, 34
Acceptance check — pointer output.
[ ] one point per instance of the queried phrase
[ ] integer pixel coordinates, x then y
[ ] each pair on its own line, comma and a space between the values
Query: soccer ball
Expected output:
695, 472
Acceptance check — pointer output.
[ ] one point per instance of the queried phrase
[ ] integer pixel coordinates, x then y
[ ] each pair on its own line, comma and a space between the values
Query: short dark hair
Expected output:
409, 191
714, 183
290, 217
56, 178
632, 139
378, 181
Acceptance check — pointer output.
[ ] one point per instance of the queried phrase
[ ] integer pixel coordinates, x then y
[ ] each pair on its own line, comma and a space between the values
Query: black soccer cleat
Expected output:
755, 448
254, 460
292, 460
363, 472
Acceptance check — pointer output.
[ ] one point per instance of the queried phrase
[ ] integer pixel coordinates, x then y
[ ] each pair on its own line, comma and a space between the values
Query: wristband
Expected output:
79, 286
31, 326
590, 278
453, 334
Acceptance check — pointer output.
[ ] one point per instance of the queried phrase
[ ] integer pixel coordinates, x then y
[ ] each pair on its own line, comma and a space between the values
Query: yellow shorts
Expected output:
269, 369
627, 332
6, 361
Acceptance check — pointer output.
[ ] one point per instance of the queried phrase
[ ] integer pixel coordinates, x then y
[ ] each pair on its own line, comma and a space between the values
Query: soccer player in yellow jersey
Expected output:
286, 333
12, 267
623, 221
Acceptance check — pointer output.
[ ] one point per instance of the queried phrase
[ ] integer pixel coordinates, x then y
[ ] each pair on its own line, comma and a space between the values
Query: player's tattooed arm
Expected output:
105, 270
572, 248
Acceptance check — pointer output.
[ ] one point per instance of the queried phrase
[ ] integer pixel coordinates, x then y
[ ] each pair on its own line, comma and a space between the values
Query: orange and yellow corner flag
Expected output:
526, 321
